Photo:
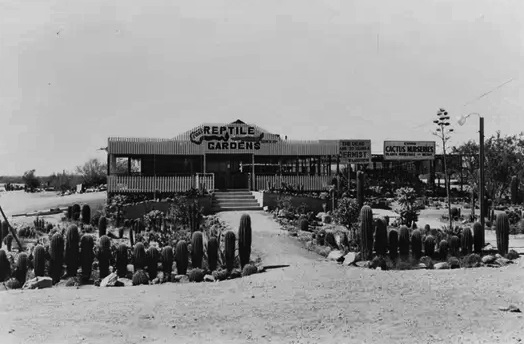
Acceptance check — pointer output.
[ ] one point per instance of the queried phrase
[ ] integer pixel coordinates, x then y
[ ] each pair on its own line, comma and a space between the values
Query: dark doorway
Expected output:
228, 174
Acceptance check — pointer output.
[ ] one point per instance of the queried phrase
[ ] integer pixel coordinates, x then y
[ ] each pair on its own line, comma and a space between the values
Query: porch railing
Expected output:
142, 184
310, 183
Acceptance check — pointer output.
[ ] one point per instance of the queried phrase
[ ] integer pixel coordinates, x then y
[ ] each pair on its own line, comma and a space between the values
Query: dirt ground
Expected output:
311, 301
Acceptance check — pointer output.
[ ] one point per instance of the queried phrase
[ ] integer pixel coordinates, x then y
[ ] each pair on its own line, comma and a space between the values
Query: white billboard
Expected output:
355, 151
409, 150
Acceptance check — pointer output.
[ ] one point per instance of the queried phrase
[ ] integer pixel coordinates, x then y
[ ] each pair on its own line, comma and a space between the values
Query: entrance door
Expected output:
227, 170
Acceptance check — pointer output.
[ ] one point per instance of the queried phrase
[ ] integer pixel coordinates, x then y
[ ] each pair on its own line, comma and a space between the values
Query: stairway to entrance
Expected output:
234, 200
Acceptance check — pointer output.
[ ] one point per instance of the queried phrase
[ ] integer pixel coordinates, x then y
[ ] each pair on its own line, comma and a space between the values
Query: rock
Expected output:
266, 208
512, 254
181, 279
350, 258
261, 269
321, 215
156, 280
378, 263
454, 263
38, 283
498, 256
489, 259
503, 261
422, 266
510, 308
126, 282
428, 263
441, 266
109, 280
209, 278
131, 268
336, 255
363, 264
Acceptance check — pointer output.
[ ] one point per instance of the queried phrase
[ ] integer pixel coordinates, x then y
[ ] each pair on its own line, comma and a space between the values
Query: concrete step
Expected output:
239, 208
234, 202
247, 196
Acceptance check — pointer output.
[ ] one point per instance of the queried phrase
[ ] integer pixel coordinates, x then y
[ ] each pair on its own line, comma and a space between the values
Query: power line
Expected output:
485, 94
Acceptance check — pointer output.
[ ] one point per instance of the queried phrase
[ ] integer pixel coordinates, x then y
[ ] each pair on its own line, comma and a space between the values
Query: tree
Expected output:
93, 172
30, 180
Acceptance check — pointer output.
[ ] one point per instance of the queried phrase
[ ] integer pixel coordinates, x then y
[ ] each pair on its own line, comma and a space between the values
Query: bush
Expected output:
249, 269
196, 275
471, 261
347, 212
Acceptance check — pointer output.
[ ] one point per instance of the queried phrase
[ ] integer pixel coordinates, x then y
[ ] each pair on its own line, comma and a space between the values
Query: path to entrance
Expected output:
312, 301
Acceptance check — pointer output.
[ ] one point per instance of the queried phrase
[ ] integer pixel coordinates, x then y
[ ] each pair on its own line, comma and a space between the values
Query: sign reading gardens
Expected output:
227, 137
355, 151
409, 150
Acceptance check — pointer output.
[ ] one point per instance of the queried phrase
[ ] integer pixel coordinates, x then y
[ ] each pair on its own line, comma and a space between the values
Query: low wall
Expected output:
270, 200
138, 210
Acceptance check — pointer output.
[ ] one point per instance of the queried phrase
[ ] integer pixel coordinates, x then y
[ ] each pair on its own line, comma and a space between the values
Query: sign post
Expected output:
409, 150
354, 152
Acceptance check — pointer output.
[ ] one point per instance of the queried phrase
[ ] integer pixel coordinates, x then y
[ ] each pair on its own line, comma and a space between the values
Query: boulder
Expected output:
181, 279
40, 282
489, 259
441, 266
503, 261
110, 280
336, 255
126, 282
422, 266
209, 278
266, 208
350, 258
363, 264
131, 268
454, 263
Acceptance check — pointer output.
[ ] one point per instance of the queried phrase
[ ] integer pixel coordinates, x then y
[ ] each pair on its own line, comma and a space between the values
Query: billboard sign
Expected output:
355, 151
409, 150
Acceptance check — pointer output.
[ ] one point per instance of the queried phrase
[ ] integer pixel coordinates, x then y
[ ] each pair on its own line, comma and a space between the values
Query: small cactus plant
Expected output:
72, 250
212, 253
502, 232
86, 214
121, 260
467, 241
478, 237
102, 226
197, 249
454, 246
366, 232
443, 248
429, 246
393, 244
244, 240
381, 237
13, 283
321, 237
181, 257
104, 256
229, 248
70, 212
139, 256
153, 256
56, 253
416, 244
87, 256
403, 241
39, 260
303, 225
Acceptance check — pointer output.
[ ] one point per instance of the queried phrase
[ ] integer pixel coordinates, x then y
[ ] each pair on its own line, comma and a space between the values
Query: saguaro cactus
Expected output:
139, 256
381, 237
467, 241
76, 212
102, 226
197, 249
153, 256
429, 246
21, 267
72, 250
502, 231
393, 244
56, 253
87, 256
454, 246
366, 232
244, 240
167, 261
229, 248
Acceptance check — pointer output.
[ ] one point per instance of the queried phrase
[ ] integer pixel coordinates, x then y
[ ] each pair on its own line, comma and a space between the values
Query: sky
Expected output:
73, 73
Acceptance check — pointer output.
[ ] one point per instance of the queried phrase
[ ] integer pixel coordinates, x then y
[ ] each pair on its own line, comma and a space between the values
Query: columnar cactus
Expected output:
194, 217
5, 266
197, 249
70, 212
153, 256
86, 214
102, 226
381, 237
366, 232
21, 267
167, 261
139, 256
454, 246
181, 257
87, 256
121, 260
56, 253
131, 231
478, 237
443, 248
393, 244
139, 278
502, 231
416, 244
467, 241
76, 212
403, 241
39, 260
72, 250
8, 240
229, 248
360, 189
244, 240
514, 190
212, 253
429, 246
4, 230
104, 256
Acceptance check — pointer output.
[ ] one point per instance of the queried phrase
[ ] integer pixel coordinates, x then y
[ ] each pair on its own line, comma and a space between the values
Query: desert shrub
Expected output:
153, 220
378, 262
220, 275
330, 239
409, 211
196, 275
249, 269
453, 263
512, 254
471, 261
140, 277
303, 224
347, 213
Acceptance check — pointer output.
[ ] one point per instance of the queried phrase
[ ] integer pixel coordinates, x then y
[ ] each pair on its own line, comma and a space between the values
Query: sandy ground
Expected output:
312, 301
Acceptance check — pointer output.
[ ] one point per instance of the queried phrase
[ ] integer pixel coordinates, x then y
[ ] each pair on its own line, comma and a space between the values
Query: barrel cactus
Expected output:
229, 248
72, 250
454, 246
381, 237
303, 225
121, 260
393, 244
87, 256
86, 214
403, 241
212, 253
197, 249
140, 278
429, 246
416, 244
467, 241
443, 248
76, 212
56, 253
153, 256
5, 266
181, 257
21, 267
366, 232
39, 260
502, 231
8, 240
104, 256
167, 261
478, 237
244, 240
139, 256
102, 226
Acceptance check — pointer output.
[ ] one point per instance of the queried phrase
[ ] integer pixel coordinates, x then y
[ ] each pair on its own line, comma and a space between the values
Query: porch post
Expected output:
253, 183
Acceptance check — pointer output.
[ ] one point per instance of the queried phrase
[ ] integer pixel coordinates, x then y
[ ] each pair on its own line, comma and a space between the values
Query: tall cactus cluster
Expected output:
366, 232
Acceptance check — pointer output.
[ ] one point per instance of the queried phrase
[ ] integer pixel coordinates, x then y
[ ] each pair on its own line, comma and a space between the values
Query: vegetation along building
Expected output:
226, 156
